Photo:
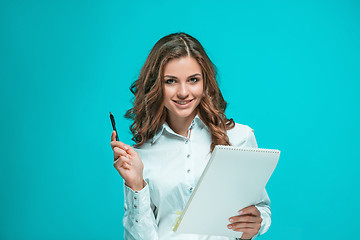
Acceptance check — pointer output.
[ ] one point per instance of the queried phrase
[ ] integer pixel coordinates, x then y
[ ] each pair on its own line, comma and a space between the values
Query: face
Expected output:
183, 87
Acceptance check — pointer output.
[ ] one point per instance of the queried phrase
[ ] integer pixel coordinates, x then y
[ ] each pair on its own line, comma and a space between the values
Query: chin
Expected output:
184, 114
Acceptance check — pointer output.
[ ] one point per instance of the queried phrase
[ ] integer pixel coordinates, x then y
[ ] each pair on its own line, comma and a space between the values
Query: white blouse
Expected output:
173, 165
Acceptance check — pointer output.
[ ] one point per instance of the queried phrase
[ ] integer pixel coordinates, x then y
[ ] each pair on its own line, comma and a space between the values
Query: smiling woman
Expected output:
175, 53
183, 91
179, 117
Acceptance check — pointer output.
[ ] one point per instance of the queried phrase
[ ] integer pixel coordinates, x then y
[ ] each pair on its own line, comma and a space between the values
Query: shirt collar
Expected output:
199, 122
195, 122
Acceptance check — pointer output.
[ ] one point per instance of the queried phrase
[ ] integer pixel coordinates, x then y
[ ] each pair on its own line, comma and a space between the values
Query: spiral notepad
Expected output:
234, 178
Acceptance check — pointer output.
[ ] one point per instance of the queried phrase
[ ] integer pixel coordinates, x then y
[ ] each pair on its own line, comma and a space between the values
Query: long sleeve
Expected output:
264, 203
172, 166
139, 219
265, 212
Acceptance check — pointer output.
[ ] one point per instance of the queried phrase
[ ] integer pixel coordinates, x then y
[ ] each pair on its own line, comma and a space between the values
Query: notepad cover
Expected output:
233, 179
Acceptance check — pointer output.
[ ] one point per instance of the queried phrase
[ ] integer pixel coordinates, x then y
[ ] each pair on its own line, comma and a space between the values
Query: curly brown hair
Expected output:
149, 112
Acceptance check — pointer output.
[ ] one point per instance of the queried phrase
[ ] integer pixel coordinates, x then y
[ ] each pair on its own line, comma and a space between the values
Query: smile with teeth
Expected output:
183, 102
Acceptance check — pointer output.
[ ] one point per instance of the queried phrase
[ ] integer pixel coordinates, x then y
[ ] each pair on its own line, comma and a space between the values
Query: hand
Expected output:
248, 221
128, 163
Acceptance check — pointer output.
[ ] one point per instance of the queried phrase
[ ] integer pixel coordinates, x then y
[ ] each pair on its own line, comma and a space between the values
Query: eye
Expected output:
194, 80
170, 81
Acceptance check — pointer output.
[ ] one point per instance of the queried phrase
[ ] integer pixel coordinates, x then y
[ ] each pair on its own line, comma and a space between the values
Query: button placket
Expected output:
189, 161
189, 166
189, 132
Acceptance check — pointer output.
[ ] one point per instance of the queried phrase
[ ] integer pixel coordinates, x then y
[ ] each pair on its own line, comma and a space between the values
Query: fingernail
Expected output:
229, 226
231, 220
240, 212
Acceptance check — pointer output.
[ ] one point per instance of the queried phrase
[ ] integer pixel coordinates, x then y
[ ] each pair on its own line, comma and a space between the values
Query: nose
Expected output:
183, 91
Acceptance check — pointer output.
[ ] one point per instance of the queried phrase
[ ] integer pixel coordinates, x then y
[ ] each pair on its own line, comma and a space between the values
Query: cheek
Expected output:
167, 96
199, 91
167, 93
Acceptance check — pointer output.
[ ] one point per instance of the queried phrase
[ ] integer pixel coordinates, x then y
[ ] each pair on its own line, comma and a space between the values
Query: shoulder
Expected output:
241, 135
149, 155
151, 150
146, 146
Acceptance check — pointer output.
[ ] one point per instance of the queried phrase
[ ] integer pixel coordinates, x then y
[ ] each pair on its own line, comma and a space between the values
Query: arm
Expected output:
139, 219
254, 220
265, 212
264, 203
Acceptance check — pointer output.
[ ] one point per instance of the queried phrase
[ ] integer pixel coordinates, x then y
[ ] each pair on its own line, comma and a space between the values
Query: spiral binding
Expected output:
248, 149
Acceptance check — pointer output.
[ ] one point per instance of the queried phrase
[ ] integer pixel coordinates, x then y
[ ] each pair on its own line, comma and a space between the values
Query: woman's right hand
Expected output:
128, 163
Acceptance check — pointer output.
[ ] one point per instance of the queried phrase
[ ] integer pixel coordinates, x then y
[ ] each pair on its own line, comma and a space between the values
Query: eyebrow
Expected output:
196, 74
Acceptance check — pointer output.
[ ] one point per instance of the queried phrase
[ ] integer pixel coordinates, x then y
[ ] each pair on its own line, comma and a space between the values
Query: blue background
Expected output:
288, 70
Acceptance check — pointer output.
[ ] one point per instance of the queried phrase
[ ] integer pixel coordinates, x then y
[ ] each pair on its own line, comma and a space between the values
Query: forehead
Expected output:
183, 66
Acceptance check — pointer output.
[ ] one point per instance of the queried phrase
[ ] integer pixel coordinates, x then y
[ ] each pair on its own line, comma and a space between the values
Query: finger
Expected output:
113, 136
119, 145
119, 152
244, 218
127, 165
252, 210
242, 230
130, 150
124, 165
123, 162
248, 230
243, 226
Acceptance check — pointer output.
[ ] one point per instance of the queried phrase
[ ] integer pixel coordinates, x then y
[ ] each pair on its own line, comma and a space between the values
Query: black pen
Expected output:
113, 125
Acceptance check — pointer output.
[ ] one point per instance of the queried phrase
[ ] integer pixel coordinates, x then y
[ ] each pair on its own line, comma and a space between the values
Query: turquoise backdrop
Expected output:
288, 69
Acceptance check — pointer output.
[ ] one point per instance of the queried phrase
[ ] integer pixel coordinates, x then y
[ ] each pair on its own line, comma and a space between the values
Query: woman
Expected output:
178, 118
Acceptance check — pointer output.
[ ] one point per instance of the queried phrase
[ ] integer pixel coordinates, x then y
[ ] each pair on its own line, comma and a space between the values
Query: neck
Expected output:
180, 125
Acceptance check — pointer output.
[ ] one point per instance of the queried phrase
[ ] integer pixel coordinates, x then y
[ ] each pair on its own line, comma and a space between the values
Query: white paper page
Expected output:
233, 179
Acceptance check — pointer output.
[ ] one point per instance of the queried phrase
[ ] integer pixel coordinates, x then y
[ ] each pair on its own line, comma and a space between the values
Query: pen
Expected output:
113, 125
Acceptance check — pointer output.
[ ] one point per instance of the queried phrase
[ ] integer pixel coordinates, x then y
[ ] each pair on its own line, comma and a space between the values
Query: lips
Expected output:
183, 102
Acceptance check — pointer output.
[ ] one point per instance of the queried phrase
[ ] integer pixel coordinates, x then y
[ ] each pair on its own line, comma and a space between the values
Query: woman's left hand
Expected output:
248, 221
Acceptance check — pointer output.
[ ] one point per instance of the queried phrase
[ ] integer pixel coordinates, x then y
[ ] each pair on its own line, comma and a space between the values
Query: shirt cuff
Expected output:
265, 224
138, 202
